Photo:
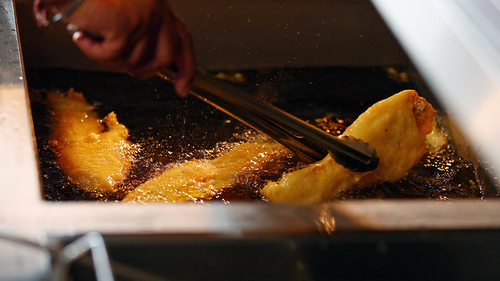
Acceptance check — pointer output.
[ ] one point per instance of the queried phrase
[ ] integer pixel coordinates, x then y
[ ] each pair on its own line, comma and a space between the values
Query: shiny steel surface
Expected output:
18, 168
23, 211
454, 45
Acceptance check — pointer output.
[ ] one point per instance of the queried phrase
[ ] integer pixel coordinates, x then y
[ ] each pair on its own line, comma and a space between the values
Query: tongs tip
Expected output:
359, 157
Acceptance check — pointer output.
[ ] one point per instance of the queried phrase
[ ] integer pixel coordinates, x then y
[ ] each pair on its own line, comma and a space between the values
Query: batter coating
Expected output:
92, 152
396, 127
199, 179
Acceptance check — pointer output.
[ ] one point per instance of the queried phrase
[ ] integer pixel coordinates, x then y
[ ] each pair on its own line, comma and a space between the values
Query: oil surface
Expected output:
169, 129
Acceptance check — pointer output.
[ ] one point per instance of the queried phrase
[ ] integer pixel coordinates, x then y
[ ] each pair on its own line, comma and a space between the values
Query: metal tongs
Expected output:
309, 143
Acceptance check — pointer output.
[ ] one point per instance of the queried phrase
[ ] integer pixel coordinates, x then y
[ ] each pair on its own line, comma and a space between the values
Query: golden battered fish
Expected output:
396, 127
201, 179
92, 152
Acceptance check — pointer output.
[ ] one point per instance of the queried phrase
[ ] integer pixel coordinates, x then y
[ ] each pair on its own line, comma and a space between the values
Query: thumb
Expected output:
92, 46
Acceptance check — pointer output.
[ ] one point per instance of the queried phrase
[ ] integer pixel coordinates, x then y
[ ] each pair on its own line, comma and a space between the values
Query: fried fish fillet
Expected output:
92, 152
396, 127
200, 179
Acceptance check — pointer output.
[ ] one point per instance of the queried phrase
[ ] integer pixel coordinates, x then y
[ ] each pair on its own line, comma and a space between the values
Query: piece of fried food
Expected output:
396, 127
201, 179
92, 152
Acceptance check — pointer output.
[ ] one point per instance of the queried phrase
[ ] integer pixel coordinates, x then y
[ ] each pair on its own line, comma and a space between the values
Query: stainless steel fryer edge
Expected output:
24, 212
456, 52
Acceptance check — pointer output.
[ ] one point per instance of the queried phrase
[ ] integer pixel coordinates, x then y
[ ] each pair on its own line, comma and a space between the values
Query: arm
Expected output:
139, 37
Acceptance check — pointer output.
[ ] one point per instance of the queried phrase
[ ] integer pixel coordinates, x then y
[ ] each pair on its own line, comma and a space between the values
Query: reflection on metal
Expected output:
69, 9
92, 242
124, 271
10, 62
18, 165
22, 259
326, 219
22, 207
63, 258
454, 44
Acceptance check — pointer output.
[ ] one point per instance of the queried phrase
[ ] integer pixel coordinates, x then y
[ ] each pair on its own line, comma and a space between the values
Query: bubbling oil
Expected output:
440, 174
169, 130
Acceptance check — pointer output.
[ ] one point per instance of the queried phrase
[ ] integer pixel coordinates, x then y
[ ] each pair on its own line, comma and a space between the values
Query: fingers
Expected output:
100, 50
116, 56
141, 43
143, 52
168, 53
173, 47
185, 61
163, 53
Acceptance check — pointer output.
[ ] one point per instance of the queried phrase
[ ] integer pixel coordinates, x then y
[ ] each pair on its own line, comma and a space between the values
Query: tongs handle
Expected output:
308, 142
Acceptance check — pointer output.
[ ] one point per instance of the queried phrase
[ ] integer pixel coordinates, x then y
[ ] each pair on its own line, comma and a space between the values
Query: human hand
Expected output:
139, 37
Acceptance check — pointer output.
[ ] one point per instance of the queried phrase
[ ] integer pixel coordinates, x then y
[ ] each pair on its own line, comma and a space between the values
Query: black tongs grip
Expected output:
308, 142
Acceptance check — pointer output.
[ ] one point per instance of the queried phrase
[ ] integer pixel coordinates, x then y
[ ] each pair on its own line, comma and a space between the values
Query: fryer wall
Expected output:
23, 212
